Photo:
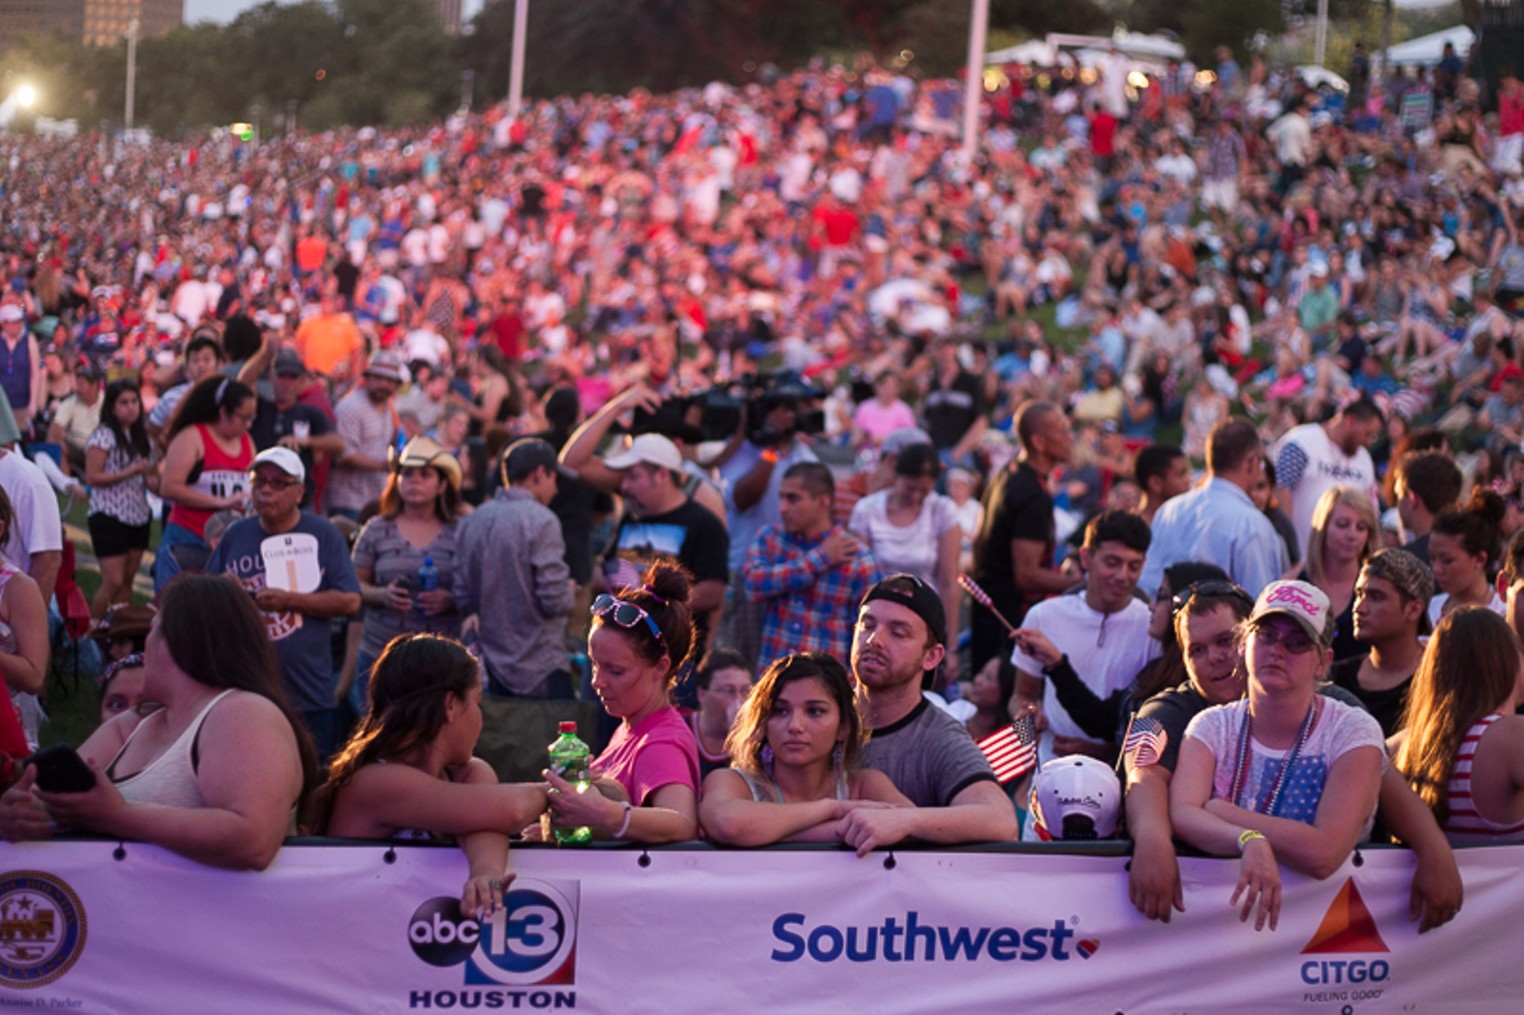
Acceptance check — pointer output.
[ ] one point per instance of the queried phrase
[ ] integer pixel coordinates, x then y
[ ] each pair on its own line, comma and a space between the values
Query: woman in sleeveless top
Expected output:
407, 771
206, 465
219, 771
793, 752
1462, 748
24, 650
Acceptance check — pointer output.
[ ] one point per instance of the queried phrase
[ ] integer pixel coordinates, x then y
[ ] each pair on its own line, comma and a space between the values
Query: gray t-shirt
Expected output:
928, 755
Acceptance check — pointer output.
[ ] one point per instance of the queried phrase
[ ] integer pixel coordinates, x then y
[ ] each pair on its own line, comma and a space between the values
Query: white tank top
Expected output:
169, 779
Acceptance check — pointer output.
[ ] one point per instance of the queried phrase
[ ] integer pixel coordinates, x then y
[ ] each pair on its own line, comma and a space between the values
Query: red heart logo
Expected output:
1088, 947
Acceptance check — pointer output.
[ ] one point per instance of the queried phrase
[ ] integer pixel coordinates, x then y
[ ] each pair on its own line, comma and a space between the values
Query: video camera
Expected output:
716, 414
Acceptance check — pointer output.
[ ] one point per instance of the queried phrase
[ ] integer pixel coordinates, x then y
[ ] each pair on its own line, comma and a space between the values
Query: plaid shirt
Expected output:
811, 605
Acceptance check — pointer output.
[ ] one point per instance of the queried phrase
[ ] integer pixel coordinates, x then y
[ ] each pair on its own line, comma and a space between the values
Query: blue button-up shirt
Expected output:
1217, 524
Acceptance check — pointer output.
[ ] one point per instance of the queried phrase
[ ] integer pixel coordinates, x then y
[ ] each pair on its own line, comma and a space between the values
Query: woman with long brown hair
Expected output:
220, 771
408, 772
794, 751
1462, 745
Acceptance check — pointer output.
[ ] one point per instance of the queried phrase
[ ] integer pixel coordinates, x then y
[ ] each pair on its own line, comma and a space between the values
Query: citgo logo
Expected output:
1347, 928
532, 939
42, 929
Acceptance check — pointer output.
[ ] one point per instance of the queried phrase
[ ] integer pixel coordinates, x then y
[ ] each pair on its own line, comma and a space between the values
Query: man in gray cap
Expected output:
367, 421
512, 575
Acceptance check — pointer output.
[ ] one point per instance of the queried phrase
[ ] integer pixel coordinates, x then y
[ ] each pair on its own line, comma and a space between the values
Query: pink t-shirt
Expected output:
879, 421
657, 752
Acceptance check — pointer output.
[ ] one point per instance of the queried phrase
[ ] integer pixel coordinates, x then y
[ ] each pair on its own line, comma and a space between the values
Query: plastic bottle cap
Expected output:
567, 727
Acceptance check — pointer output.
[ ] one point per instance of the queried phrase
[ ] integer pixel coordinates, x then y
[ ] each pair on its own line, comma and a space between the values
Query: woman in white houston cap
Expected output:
1285, 774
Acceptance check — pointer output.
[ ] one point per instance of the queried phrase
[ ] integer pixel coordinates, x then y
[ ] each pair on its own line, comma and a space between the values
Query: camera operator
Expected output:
752, 472
580, 453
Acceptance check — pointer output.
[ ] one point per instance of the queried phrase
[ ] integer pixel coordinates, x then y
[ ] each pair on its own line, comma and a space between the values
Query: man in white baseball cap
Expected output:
663, 520
297, 567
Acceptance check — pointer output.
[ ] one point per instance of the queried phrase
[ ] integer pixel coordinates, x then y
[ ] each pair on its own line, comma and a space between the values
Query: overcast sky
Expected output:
226, 10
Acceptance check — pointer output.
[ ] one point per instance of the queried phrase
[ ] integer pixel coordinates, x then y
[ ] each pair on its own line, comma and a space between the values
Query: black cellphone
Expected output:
60, 769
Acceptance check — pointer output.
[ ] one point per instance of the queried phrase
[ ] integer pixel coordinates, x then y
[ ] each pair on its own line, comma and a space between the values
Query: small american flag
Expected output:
1012, 750
1145, 741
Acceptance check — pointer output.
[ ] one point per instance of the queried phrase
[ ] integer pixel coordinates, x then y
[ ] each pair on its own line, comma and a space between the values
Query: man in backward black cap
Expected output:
901, 635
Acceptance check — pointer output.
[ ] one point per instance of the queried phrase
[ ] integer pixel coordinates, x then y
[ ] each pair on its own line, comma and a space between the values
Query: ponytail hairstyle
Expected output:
411, 682
1468, 670
207, 402
663, 594
1478, 525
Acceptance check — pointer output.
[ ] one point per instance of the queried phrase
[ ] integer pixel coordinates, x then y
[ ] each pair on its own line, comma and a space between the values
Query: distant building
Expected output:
450, 14
96, 22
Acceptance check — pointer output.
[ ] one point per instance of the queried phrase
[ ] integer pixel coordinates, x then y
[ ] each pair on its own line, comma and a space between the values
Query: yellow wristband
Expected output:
1247, 836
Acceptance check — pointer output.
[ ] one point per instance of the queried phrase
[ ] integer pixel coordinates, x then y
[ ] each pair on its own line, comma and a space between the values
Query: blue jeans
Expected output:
165, 566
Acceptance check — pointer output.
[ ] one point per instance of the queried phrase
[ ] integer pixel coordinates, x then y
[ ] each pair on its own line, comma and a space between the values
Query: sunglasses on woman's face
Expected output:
1294, 641
625, 613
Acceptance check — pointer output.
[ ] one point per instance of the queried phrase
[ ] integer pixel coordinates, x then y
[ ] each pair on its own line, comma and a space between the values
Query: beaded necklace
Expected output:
1241, 765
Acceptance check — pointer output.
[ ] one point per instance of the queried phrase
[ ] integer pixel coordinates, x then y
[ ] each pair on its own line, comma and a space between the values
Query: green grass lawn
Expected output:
72, 703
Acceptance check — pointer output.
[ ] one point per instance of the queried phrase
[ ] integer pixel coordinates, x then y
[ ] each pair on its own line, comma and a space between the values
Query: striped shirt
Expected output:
1464, 824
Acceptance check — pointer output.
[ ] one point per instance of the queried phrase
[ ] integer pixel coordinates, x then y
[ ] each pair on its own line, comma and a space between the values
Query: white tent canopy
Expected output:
1425, 50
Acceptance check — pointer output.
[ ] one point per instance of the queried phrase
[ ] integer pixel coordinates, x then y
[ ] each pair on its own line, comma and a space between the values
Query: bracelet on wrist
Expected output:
624, 826
1247, 836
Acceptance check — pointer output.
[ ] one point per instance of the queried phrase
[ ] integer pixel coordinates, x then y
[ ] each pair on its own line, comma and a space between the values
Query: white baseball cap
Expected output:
284, 459
1076, 797
648, 449
1302, 602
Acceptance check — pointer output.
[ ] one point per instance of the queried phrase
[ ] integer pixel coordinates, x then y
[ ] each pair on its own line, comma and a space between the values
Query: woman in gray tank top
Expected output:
794, 750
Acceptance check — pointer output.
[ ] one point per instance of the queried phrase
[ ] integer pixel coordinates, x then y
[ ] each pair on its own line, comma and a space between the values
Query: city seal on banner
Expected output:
42, 929
531, 941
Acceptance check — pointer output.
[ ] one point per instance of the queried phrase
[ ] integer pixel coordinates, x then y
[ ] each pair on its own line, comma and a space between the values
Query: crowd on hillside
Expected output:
1213, 388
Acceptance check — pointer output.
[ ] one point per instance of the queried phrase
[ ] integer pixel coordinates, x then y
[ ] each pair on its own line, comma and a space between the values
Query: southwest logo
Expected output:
1347, 927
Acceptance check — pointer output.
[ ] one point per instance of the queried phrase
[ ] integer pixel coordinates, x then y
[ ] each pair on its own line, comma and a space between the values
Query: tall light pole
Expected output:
1320, 43
973, 88
132, 70
516, 66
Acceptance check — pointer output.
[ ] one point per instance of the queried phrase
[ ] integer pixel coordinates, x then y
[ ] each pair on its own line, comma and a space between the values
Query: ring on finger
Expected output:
495, 883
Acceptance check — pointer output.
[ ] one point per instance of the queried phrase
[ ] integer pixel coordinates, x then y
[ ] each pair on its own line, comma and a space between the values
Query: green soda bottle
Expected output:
569, 758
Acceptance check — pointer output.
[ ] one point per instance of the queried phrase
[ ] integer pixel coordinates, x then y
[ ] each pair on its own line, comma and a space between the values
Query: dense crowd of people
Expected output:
1215, 387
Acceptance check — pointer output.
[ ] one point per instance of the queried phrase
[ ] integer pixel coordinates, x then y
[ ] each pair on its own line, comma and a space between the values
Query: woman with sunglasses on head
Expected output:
1462, 745
408, 772
206, 466
1285, 774
420, 508
794, 749
640, 637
